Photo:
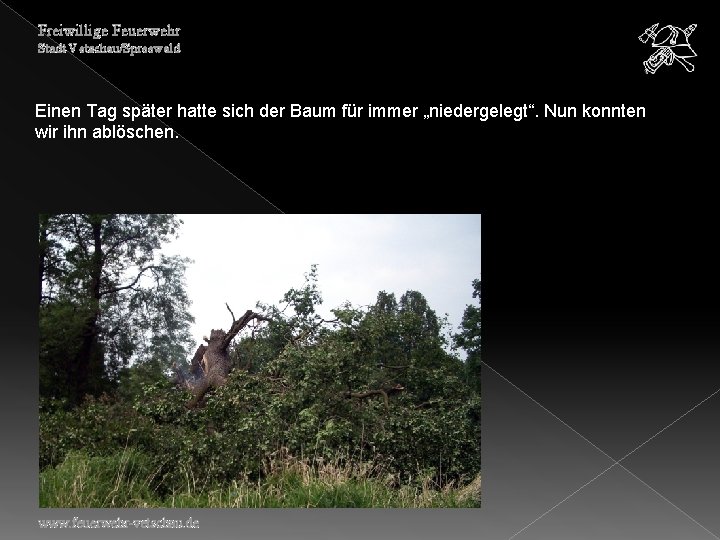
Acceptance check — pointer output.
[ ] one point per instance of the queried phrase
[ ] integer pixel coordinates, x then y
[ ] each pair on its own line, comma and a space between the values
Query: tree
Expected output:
107, 297
374, 387
295, 322
211, 364
469, 338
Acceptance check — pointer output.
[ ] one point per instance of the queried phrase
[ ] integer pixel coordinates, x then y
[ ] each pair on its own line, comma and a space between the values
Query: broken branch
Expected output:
238, 325
379, 392
230, 310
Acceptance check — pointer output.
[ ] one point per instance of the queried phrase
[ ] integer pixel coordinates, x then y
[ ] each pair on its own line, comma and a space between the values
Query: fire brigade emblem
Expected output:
672, 46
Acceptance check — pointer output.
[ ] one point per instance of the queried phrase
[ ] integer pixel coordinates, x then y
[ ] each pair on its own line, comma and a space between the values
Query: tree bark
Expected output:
196, 369
211, 364
89, 363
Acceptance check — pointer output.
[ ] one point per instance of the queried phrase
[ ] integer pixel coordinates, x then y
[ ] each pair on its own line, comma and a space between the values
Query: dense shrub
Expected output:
311, 398
100, 427
253, 418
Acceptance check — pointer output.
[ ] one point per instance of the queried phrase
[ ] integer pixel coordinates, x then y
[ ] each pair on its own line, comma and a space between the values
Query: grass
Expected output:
126, 480
120, 480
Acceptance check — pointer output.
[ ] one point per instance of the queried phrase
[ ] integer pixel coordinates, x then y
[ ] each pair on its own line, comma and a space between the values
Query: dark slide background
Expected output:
599, 236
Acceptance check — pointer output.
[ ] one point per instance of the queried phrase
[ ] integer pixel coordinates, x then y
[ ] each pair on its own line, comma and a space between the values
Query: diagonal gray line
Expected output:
563, 422
632, 474
668, 501
670, 424
562, 501
615, 462
158, 119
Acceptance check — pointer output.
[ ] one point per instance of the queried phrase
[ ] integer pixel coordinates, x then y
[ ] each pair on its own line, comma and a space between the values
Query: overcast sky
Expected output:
243, 259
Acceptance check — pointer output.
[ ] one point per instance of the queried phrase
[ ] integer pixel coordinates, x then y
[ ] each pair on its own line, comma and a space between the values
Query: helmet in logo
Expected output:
675, 39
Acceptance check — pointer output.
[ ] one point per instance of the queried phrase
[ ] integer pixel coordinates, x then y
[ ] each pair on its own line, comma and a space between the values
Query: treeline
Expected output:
377, 391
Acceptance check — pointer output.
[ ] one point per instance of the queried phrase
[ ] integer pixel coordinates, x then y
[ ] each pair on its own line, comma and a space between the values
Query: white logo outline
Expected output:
672, 45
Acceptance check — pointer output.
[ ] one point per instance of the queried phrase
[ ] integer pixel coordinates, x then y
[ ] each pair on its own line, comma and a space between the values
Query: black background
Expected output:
599, 235
366, 54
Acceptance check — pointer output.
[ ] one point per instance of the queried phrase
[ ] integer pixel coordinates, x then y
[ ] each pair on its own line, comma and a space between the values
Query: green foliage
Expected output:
107, 298
99, 427
469, 338
374, 393
133, 380
61, 329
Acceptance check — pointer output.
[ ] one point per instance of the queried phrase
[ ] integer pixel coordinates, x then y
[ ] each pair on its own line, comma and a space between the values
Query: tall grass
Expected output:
124, 479
127, 479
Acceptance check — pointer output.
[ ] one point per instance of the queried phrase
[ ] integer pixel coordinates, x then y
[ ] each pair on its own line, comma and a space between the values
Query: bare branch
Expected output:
238, 325
379, 392
231, 313
130, 285
311, 329
137, 236
427, 404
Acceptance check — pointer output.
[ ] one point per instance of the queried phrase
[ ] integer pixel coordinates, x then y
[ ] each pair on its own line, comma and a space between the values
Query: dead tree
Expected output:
211, 364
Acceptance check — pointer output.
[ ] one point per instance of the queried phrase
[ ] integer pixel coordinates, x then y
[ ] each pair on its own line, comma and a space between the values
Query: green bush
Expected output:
308, 400
100, 427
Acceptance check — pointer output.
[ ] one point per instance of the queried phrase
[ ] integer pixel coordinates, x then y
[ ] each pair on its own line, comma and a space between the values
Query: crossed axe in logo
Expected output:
672, 44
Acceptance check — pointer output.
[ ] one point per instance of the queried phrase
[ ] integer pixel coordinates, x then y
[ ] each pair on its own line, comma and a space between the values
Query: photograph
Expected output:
259, 361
